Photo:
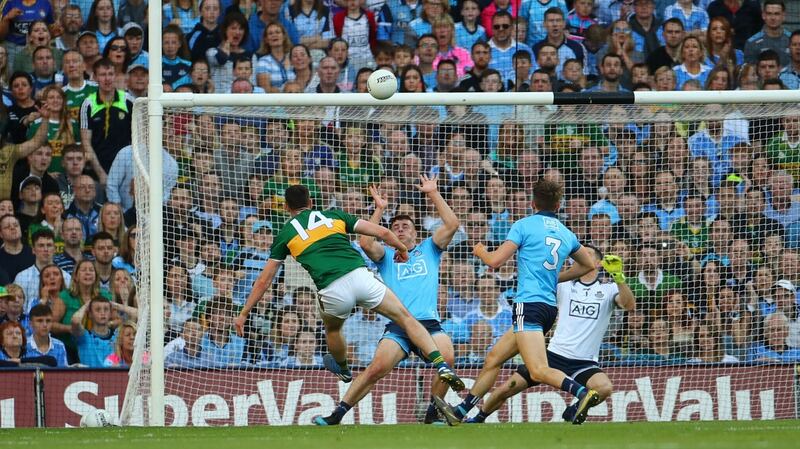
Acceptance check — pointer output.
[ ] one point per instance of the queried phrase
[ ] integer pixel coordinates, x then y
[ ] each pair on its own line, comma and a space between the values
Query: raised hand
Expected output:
613, 265
45, 113
380, 203
427, 184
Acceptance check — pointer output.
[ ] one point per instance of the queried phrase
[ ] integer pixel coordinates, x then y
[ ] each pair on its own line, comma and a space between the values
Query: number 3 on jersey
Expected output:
315, 220
554, 244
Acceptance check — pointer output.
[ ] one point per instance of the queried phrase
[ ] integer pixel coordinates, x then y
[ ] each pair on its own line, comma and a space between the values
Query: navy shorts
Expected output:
534, 316
580, 370
398, 335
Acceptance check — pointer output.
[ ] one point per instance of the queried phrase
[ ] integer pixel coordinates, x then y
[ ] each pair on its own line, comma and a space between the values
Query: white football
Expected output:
382, 84
97, 418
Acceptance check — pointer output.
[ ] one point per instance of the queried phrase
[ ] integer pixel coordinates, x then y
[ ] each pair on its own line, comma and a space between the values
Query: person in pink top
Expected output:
509, 6
444, 31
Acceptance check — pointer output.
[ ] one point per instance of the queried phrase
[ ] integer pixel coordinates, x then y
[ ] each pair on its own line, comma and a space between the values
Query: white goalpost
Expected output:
266, 390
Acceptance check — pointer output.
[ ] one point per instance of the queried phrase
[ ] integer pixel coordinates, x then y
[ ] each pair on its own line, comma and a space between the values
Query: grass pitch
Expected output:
673, 435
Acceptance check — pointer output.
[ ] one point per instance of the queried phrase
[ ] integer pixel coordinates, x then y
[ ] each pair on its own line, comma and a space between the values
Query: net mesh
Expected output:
697, 200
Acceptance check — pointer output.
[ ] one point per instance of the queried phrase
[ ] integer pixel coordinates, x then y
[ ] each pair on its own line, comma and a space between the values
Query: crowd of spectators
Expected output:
704, 212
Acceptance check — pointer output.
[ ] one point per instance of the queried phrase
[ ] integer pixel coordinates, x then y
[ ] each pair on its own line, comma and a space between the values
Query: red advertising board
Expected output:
70, 394
287, 397
17, 398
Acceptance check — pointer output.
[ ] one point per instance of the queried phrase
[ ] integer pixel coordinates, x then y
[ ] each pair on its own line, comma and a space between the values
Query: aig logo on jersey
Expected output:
411, 270
588, 310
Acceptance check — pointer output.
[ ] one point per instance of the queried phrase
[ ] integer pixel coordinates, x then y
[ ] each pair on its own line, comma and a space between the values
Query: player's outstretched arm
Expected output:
496, 258
583, 264
374, 230
260, 287
368, 243
626, 300
444, 234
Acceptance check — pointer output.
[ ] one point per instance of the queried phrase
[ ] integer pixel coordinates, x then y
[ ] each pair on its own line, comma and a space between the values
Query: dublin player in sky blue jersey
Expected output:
416, 283
542, 244
585, 307
317, 239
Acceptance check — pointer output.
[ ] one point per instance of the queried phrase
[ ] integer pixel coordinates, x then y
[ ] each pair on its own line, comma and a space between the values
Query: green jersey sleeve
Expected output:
279, 249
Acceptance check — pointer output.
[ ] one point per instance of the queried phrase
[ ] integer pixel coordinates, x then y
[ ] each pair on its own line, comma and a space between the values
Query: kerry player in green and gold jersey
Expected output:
318, 240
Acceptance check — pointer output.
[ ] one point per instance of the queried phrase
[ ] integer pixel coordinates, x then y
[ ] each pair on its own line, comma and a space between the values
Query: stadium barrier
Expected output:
58, 398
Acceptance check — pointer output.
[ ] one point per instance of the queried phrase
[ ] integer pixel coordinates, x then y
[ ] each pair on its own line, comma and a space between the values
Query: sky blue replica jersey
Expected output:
544, 243
415, 282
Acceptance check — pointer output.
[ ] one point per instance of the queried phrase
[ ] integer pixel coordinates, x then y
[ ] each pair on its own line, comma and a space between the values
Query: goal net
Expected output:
698, 201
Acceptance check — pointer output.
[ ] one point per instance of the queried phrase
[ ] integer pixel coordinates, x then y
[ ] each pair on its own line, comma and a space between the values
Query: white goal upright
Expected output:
693, 190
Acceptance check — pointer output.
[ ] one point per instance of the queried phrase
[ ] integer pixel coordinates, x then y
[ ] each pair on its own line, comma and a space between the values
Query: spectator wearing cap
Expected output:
30, 195
37, 164
783, 297
205, 34
89, 48
71, 25
785, 301
773, 347
134, 37
138, 76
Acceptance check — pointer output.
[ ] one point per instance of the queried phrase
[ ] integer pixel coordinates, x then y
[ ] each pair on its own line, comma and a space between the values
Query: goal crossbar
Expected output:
172, 99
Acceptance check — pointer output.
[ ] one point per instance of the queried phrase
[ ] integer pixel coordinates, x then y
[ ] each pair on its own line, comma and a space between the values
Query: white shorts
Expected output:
358, 287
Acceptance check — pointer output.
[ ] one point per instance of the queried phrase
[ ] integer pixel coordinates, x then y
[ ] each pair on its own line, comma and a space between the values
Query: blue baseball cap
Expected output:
262, 224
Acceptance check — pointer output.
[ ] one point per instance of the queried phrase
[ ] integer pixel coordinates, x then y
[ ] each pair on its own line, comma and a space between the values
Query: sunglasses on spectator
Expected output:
132, 235
501, 26
621, 30
117, 47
